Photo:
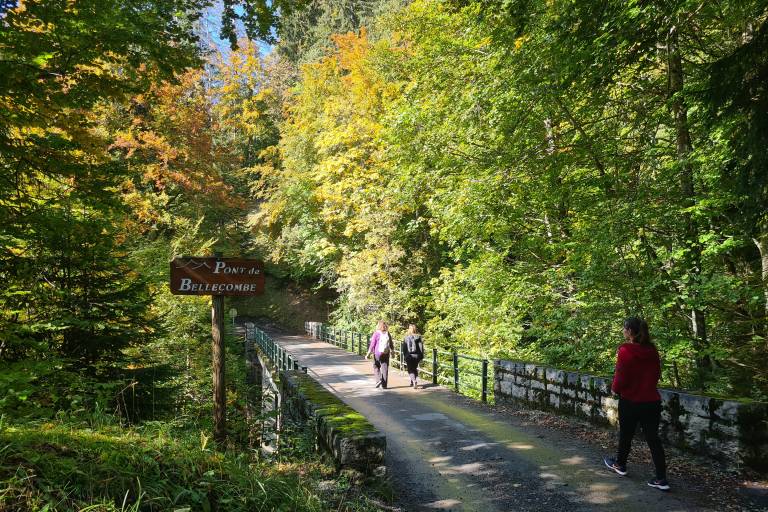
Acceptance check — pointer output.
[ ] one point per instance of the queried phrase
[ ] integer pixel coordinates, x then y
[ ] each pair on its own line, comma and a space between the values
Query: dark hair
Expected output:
639, 329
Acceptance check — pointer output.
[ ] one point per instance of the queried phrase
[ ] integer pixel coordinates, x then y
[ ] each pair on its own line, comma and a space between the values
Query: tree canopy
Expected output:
516, 177
519, 177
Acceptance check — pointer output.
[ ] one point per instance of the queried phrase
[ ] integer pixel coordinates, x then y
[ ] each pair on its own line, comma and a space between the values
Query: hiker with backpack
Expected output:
380, 346
413, 352
638, 369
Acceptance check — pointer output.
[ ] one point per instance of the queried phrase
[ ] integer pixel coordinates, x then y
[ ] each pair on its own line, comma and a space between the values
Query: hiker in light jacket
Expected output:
638, 370
380, 346
413, 352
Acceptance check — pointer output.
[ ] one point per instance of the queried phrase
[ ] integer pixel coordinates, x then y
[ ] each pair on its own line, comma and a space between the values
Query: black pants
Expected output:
381, 369
648, 415
413, 367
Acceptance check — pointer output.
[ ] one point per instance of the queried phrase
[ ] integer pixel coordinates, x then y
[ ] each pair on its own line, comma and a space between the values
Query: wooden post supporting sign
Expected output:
219, 369
218, 277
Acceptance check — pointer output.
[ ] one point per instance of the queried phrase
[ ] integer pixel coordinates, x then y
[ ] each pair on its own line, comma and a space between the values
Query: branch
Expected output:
598, 163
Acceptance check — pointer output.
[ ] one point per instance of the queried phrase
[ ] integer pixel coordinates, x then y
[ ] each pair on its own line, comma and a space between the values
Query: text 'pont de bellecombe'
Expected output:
188, 286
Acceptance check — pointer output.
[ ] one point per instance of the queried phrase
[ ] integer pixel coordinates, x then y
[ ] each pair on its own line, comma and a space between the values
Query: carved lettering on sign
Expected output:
216, 276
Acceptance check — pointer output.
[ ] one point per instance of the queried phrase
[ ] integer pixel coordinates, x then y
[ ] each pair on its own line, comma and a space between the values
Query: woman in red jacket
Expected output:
638, 370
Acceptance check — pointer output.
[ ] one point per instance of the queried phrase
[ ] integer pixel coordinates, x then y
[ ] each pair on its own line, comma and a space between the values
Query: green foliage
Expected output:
518, 178
84, 459
306, 33
71, 302
284, 303
60, 466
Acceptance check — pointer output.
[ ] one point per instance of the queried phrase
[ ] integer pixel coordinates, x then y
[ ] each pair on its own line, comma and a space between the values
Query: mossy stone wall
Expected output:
731, 431
345, 433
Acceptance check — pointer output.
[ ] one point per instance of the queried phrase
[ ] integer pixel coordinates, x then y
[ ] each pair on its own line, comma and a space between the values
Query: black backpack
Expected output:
416, 344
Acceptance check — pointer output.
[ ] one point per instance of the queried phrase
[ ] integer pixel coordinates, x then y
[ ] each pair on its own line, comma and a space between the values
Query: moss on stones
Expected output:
345, 433
336, 413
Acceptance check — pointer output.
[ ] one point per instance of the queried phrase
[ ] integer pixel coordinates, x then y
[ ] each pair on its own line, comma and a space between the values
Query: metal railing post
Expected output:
456, 371
484, 396
434, 366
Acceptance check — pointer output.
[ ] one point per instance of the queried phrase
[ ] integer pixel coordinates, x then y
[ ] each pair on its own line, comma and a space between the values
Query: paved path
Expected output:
445, 452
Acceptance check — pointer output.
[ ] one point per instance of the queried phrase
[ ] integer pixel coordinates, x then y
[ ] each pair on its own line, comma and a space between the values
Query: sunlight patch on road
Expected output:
603, 494
520, 446
573, 461
472, 468
477, 446
443, 504
431, 416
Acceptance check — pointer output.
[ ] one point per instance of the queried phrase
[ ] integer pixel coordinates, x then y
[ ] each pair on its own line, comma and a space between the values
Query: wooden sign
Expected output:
216, 276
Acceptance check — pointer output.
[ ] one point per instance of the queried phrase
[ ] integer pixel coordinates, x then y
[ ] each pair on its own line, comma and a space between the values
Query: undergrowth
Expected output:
69, 465
84, 452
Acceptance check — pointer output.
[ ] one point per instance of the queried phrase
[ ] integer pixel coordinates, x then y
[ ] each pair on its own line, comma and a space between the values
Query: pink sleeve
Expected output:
374, 339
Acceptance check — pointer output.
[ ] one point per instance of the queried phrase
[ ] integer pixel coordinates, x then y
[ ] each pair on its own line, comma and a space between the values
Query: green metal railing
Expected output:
467, 375
280, 358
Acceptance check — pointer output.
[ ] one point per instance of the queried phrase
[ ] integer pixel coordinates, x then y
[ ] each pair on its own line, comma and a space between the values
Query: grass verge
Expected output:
67, 465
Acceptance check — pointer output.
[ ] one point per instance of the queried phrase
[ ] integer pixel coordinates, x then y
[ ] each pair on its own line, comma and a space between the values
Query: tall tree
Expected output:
69, 291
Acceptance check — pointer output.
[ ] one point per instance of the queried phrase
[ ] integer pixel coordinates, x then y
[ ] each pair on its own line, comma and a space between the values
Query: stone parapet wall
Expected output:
343, 432
731, 431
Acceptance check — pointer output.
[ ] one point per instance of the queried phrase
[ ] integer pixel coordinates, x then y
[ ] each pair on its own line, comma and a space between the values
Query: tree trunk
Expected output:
219, 382
762, 246
688, 193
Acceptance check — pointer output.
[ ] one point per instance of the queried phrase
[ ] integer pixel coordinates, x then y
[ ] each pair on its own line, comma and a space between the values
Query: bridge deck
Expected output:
447, 452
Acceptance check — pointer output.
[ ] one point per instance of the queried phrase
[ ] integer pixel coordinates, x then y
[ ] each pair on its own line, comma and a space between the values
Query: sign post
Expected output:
217, 276
219, 379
